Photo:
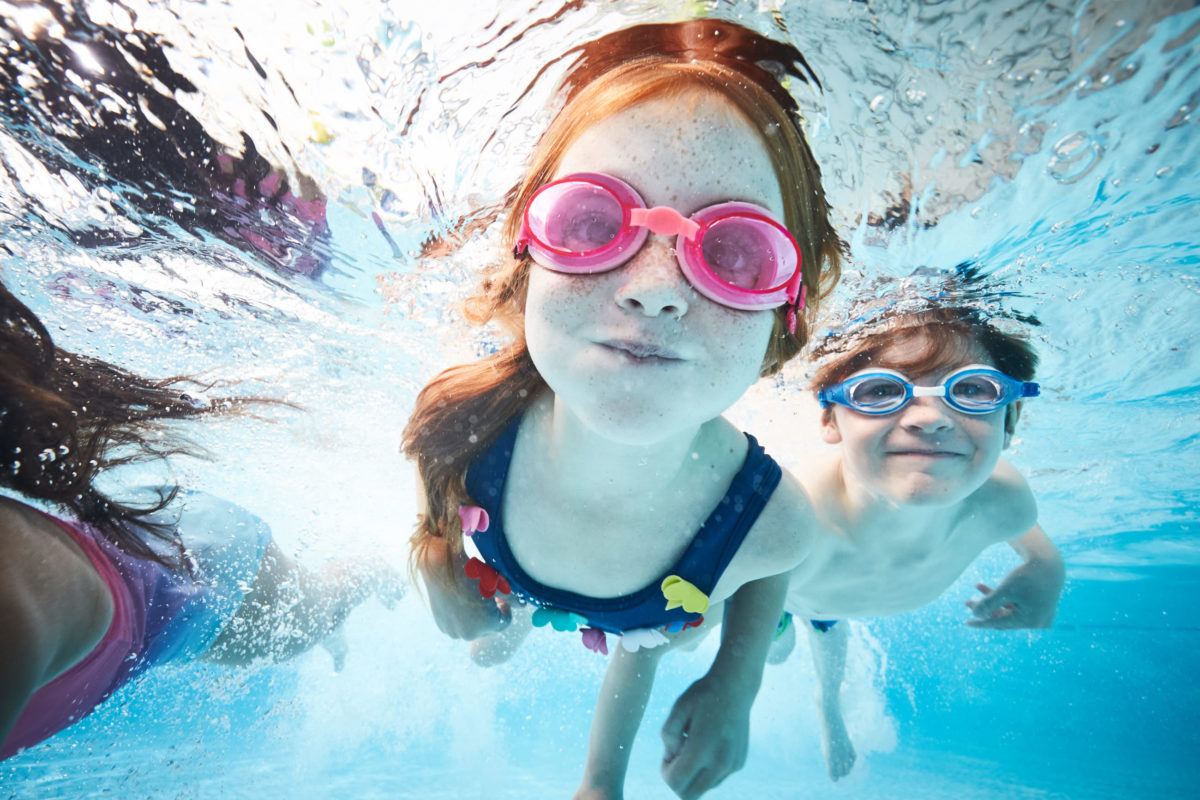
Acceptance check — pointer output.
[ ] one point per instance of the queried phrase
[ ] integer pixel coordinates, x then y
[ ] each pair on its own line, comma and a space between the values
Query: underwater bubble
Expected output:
1074, 156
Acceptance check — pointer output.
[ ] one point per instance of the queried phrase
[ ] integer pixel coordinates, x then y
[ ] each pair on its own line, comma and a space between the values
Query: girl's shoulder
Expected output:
779, 540
54, 605
785, 529
29, 537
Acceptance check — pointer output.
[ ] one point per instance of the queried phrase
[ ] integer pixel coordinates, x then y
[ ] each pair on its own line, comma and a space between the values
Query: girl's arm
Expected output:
458, 608
707, 732
619, 710
1028, 596
706, 736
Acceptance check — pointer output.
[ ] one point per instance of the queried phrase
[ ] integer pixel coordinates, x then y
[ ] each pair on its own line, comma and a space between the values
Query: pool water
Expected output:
1055, 146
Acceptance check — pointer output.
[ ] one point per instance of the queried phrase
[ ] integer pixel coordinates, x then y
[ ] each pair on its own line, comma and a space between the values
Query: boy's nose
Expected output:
652, 283
927, 415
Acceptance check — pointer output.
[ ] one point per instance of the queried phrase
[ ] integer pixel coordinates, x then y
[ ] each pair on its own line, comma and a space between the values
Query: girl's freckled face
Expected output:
686, 152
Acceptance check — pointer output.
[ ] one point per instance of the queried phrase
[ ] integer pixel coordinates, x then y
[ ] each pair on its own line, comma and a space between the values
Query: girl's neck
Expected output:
582, 463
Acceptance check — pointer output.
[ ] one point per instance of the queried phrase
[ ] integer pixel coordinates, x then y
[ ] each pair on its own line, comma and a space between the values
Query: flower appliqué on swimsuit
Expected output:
557, 618
641, 638
685, 595
679, 627
474, 520
595, 640
490, 581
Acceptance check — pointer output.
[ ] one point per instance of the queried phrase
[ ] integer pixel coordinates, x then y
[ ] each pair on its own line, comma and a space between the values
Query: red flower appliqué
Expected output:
490, 581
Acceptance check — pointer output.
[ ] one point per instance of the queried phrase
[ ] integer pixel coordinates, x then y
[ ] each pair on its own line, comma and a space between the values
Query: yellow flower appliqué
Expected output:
681, 593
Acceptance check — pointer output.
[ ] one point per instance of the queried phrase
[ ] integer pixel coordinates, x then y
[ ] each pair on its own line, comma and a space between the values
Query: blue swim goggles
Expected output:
972, 390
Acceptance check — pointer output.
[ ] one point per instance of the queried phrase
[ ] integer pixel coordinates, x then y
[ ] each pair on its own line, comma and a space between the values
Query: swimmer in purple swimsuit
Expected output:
91, 599
666, 248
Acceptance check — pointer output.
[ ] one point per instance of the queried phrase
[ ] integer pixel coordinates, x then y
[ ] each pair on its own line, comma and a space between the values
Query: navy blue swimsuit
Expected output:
701, 564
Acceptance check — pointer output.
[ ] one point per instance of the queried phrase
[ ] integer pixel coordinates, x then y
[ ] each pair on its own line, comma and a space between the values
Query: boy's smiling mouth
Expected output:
924, 452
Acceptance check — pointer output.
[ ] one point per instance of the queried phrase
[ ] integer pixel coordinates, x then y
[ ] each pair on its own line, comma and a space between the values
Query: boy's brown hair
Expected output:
952, 335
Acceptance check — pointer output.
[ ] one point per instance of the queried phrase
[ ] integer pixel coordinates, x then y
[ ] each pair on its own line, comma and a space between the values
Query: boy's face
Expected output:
926, 453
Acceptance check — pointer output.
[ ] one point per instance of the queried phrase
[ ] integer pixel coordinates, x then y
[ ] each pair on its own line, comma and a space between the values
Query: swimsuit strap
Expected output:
726, 527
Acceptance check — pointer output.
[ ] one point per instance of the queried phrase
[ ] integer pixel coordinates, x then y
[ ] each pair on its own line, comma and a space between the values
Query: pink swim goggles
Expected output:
735, 254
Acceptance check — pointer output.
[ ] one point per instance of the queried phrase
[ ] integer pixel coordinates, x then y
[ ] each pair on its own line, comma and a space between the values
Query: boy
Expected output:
921, 407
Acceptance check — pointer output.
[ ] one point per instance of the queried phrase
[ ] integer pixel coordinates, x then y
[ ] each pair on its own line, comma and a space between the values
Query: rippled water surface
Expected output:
1053, 145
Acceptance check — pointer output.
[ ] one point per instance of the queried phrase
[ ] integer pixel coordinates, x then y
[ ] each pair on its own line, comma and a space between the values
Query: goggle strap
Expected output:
795, 302
1029, 389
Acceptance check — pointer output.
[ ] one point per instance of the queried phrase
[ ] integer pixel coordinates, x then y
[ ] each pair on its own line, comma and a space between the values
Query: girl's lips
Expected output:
925, 453
641, 350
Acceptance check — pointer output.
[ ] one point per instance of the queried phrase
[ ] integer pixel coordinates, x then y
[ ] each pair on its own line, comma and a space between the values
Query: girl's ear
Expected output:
830, 432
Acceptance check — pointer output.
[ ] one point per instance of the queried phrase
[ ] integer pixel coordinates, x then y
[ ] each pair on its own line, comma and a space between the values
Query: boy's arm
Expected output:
707, 733
1028, 596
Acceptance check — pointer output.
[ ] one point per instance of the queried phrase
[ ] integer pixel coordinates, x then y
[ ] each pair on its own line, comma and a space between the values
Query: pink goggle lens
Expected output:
747, 253
734, 253
575, 218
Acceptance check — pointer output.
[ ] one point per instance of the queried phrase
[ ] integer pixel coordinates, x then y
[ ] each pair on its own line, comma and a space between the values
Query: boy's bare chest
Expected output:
855, 578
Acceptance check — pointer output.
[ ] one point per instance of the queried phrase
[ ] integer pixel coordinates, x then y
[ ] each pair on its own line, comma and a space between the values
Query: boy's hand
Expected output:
706, 737
458, 609
1026, 598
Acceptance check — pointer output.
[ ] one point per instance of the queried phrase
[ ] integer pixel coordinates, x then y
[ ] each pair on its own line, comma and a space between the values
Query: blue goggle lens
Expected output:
980, 391
876, 393
973, 391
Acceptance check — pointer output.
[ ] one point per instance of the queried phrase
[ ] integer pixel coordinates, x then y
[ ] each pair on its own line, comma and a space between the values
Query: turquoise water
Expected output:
1055, 146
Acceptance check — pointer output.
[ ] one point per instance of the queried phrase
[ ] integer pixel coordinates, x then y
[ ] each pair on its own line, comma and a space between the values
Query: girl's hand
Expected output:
458, 608
706, 736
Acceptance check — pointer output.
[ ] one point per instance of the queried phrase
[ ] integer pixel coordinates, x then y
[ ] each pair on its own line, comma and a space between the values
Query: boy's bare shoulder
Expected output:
1005, 504
819, 472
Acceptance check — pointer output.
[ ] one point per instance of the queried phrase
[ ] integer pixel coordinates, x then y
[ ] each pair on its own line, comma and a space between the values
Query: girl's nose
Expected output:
652, 283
